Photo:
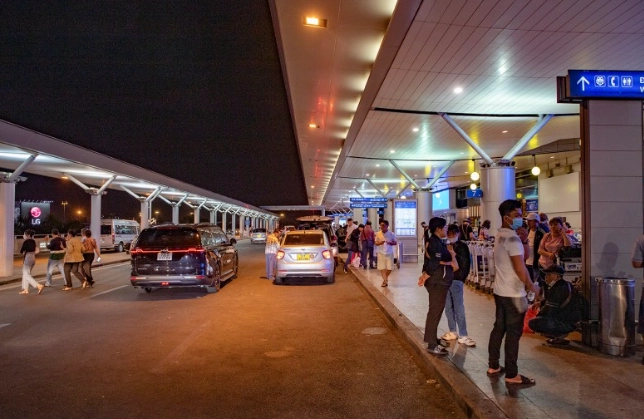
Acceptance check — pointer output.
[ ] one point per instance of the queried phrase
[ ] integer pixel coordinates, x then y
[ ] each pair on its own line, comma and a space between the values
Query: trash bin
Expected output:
616, 315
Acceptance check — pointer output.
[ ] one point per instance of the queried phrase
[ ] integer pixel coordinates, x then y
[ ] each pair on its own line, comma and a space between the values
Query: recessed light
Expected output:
552, 157
312, 186
458, 90
314, 21
415, 129
377, 165
367, 174
462, 153
504, 131
313, 126
392, 151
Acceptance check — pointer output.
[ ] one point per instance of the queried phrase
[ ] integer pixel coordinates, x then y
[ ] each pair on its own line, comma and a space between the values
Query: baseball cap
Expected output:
532, 217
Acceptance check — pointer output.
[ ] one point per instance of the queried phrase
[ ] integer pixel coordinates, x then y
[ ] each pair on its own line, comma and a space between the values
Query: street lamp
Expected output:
79, 212
64, 204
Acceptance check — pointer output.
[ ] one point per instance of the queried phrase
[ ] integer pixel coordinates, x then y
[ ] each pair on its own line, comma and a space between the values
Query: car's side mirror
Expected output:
233, 241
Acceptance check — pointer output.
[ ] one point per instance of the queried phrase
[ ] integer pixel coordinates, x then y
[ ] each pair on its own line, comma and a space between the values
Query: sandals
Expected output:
496, 373
525, 381
384, 284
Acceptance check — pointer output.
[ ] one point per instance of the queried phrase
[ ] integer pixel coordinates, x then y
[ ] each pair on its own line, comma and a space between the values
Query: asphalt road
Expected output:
253, 350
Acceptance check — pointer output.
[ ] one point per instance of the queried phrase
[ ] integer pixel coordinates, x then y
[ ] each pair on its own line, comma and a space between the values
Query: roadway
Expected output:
252, 350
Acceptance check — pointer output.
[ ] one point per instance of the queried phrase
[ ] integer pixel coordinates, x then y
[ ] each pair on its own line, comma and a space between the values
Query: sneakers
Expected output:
449, 336
467, 341
437, 350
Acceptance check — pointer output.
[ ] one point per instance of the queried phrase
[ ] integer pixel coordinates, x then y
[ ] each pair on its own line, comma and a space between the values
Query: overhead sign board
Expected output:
476, 193
368, 202
602, 84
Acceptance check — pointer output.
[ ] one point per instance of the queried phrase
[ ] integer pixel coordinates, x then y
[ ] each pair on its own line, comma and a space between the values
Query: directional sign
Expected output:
368, 202
608, 84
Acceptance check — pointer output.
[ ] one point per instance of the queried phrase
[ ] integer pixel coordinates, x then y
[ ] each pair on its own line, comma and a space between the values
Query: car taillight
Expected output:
326, 254
135, 251
195, 250
280, 255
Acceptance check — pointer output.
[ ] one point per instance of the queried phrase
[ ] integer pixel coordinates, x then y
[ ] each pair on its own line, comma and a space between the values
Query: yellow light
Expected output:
519, 195
314, 21
475, 176
473, 186
312, 126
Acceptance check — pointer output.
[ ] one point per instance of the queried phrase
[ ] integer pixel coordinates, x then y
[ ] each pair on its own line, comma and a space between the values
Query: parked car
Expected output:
320, 222
258, 235
184, 255
118, 234
305, 254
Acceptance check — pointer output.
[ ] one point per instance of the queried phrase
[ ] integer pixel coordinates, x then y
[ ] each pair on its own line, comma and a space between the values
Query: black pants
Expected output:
437, 298
510, 314
87, 265
75, 268
550, 327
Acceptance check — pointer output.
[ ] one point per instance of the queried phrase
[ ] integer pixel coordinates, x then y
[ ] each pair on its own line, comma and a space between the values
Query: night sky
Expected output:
190, 89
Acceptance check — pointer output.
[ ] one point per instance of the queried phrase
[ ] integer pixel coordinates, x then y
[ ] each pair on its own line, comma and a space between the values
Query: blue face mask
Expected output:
516, 223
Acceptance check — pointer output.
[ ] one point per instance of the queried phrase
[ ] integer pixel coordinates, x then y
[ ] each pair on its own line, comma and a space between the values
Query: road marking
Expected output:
105, 292
3, 325
176, 353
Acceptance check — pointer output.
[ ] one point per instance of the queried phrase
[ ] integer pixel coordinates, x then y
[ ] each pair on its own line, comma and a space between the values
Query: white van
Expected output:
118, 234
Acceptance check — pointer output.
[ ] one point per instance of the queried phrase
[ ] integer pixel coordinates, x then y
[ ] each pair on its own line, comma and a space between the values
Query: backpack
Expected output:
463, 260
575, 306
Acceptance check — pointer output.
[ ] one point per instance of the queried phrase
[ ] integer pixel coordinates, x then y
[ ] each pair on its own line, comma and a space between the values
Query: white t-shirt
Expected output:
385, 248
350, 229
531, 235
506, 281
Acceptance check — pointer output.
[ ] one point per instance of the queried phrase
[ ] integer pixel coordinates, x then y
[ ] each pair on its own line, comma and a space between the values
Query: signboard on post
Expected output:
405, 217
368, 203
600, 84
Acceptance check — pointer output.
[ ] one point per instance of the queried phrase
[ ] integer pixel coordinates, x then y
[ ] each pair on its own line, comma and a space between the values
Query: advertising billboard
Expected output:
35, 212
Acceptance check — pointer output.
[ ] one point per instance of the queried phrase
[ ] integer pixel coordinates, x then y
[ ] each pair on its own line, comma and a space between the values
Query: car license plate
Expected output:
304, 256
164, 256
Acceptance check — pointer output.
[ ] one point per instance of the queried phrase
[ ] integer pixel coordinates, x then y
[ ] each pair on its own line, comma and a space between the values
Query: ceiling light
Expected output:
473, 186
313, 186
314, 21
504, 131
313, 126
552, 157
367, 174
475, 175
535, 170
392, 151
415, 129
377, 165
458, 90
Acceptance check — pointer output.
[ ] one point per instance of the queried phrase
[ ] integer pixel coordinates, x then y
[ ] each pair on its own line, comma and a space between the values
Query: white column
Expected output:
497, 184
196, 216
95, 215
372, 215
7, 204
145, 206
175, 214
223, 221
358, 217
323, 211
213, 216
424, 199
234, 222
241, 225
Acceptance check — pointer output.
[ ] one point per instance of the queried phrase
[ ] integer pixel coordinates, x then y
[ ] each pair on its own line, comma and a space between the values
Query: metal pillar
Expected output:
145, 209
424, 199
372, 215
234, 223
223, 221
95, 216
497, 184
175, 214
389, 214
7, 203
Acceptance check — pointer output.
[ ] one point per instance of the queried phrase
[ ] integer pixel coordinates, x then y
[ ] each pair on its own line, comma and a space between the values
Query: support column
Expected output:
612, 195
223, 221
95, 216
372, 215
424, 199
389, 215
7, 204
358, 217
196, 215
497, 184
213, 216
234, 223
145, 209
175, 214
241, 226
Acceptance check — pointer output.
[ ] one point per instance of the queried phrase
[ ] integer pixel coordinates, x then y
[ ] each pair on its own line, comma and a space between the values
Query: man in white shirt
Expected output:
385, 242
510, 283
350, 227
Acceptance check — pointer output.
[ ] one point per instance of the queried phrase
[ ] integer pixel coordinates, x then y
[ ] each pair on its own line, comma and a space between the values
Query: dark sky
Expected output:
190, 89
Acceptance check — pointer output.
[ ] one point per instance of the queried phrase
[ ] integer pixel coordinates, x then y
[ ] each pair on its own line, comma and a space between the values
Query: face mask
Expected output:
516, 223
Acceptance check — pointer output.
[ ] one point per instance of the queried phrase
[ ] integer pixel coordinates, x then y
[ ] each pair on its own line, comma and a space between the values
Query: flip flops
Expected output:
500, 371
525, 381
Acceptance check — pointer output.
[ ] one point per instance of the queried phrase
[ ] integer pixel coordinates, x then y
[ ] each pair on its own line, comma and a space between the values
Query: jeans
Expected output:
437, 296
455, 309
271, 265
52, 264
86, 266
349, 258
550, 327
366, 250
510, 314
27, 279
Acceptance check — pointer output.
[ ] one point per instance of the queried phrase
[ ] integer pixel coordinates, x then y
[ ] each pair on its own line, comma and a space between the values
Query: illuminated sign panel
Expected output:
608, 84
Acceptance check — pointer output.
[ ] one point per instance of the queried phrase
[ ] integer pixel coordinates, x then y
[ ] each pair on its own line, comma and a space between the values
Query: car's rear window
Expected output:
175, 237
305, 239
259, 230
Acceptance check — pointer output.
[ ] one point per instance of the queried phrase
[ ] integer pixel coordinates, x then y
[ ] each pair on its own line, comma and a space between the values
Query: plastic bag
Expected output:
356, 261
532, 312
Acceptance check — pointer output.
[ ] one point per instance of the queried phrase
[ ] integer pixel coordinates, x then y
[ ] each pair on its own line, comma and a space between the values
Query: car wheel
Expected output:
331, 279
278, 280
148, 289
216, 278
121, 248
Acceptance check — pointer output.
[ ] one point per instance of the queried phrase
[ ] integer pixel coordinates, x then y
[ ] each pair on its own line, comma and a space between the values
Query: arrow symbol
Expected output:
583, 80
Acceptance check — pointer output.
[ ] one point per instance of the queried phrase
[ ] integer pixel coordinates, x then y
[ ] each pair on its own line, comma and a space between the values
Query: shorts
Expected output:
640, 326
385, 261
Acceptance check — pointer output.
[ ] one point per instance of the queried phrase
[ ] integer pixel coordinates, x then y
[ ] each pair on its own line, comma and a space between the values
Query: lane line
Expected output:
104, 292
176, 353
3, 325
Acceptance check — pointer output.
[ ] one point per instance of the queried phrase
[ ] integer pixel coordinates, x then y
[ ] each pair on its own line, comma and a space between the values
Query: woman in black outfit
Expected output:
437, 276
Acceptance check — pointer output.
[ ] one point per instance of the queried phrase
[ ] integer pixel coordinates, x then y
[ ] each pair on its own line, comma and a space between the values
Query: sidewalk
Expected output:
574, 382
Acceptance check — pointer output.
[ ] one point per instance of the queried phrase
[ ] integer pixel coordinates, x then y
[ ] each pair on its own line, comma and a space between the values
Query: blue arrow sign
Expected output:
609, 84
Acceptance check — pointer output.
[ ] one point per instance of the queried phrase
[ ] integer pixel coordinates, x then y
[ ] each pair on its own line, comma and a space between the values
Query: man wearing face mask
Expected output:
510, 285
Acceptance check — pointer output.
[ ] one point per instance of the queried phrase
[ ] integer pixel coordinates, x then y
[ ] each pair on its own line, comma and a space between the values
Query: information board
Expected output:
405, 217
367, 202
607, 84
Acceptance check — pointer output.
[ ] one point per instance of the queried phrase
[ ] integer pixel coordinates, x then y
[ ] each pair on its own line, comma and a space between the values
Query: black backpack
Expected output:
575, 306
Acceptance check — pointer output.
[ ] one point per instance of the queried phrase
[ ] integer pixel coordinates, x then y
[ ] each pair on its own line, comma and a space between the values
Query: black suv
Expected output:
185, 255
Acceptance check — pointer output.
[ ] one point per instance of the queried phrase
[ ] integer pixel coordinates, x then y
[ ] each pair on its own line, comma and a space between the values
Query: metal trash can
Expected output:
616, 315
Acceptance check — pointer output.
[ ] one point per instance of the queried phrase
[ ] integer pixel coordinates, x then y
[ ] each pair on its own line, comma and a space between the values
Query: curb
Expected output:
43, 275
468, 396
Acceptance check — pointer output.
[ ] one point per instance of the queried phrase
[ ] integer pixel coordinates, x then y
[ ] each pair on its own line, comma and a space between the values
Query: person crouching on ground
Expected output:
454, 305
28, 250
558, 315
437, 276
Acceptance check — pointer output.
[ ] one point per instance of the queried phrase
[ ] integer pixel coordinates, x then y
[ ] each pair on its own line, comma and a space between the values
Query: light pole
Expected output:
64, 204
79, 212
